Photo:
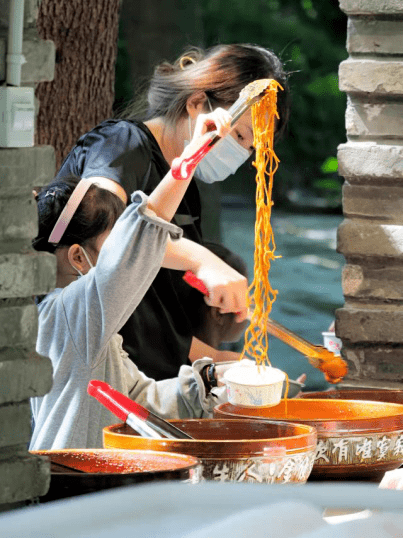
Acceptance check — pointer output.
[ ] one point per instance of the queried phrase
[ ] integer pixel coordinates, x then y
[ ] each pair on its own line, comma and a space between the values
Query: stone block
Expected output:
40, 61
372, 76
371, 7
31, 8
367, 161
370, 201
375, 282
23, 477
19, 325
383, 120
2, 59
366, 238
23, 168
367, 35
24, 374
15, 420
39, 57
24, 275
18, 217
368, 324
30, 12
374, 366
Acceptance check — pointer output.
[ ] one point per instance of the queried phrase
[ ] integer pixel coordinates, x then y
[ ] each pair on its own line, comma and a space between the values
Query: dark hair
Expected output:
97, 212
221, 72
192, 300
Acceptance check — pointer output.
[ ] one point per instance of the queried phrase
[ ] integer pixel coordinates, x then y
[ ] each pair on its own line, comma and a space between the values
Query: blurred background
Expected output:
309, 36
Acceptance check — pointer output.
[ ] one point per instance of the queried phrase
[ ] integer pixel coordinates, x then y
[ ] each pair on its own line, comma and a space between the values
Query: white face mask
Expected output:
222, 160
88, 260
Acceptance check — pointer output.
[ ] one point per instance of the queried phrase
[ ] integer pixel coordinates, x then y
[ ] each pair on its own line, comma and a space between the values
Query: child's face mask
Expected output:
88, 260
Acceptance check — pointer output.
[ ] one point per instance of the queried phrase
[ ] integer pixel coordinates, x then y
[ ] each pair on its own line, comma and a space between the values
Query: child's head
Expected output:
95, 216
208, 324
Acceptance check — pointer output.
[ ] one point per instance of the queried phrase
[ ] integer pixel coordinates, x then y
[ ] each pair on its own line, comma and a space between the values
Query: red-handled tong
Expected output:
191, 279
134, 414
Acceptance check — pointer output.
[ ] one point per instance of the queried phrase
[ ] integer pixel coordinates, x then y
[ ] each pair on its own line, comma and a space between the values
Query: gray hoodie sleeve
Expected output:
180, 397
98, 304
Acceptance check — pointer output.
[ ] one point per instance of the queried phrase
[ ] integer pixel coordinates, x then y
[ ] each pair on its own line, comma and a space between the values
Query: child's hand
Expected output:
228, 289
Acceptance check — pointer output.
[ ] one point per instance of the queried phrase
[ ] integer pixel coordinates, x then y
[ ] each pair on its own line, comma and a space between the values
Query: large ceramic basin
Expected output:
375, 395
234, 450
356, 439
78, 471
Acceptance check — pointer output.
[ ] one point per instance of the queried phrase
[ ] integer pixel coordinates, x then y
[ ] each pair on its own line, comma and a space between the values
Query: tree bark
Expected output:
81, 95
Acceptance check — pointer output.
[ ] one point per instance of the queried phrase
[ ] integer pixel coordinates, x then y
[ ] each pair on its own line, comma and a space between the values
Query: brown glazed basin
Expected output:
79, 471
234, 450
375, 395
357, 440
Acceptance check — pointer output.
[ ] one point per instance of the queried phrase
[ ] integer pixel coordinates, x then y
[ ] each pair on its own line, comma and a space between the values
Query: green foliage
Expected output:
330, 165
309, 36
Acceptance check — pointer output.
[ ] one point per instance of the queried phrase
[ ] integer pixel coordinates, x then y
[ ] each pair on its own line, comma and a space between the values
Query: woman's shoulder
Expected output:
127, 132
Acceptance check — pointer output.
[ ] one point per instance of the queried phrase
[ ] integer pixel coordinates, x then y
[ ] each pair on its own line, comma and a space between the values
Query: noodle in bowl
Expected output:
250, 385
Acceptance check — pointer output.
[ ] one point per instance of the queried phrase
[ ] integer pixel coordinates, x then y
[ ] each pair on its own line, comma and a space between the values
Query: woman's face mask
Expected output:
222, 160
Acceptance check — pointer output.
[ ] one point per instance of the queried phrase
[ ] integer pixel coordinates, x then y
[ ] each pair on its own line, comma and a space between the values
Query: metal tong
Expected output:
183, 168
333, 367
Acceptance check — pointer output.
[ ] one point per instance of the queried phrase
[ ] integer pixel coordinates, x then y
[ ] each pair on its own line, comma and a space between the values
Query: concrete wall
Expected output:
371, 235
23, 274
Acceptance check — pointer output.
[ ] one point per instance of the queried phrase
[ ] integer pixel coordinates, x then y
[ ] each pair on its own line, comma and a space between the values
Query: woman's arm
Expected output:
227, 288
199, 349
166, 197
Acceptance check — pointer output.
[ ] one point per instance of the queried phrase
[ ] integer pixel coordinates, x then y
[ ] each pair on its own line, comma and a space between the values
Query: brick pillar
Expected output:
371, 236
23, 274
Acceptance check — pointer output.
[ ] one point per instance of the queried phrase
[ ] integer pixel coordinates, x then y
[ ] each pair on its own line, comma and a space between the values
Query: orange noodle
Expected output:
261, 293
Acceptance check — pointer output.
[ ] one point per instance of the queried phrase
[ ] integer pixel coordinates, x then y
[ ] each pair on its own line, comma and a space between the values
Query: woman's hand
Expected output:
228, 289
219, 121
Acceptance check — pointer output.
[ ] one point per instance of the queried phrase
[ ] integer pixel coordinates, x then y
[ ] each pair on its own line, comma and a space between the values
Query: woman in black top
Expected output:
158, 336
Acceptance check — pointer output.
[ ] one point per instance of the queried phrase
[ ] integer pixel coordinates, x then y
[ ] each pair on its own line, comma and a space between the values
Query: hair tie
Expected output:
52, 192
187, 59
68, 211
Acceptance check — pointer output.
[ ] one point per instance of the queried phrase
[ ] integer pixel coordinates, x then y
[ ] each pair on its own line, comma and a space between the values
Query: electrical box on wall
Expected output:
17, 117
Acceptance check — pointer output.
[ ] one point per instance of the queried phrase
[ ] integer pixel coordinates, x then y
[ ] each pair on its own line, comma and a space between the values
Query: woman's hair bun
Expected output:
165, 68
185, 61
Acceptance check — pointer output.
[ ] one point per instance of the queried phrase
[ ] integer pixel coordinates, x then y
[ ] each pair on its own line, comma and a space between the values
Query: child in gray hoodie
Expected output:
107, 256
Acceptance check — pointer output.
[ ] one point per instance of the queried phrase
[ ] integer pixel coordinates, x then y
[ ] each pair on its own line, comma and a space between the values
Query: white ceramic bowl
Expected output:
252, 386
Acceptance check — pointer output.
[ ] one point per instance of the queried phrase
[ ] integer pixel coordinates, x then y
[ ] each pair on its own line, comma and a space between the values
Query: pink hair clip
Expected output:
68, 212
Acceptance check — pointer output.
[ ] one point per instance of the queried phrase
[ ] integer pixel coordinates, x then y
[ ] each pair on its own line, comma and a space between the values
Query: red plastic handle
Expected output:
119, 404
183, 168
191, 279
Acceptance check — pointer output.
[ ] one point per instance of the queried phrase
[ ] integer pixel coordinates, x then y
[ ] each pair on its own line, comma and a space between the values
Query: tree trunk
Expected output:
81, 95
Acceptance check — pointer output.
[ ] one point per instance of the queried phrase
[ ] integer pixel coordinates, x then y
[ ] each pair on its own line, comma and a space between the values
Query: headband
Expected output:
68, 211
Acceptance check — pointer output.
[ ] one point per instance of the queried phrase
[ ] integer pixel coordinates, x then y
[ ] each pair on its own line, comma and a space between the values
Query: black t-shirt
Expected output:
158, 334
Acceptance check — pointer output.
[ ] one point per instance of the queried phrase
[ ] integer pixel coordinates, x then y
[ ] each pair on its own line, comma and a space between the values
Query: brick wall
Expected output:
23, 274
371, 236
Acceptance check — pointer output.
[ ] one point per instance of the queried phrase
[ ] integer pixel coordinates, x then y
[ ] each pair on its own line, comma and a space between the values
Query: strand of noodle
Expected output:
261, 294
